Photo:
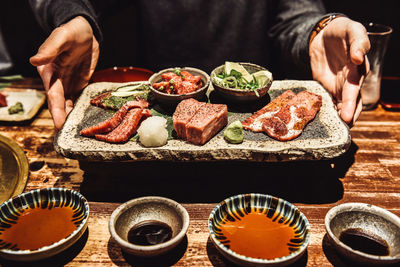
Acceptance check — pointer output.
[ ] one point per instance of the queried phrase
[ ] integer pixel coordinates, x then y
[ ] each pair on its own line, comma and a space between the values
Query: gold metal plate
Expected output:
14, 169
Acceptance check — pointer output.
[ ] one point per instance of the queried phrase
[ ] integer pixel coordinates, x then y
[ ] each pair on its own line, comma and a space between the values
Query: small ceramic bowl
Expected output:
239, 95
364, 220
173, 99
41, 215
139, 211
276, 212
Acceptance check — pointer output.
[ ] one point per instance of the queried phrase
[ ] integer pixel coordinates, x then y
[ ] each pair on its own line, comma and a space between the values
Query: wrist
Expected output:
322, 24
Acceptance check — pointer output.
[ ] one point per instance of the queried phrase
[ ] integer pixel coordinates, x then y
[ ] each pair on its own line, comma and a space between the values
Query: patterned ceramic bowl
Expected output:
149, 226
364, 233
174, 99
259, 230
240, 95
41, 223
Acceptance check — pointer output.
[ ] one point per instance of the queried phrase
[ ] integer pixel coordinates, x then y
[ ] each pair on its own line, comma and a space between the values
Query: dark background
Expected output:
24, 36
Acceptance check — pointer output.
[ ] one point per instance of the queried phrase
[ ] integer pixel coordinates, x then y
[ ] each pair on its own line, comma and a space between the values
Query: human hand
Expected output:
65, 62
338, 61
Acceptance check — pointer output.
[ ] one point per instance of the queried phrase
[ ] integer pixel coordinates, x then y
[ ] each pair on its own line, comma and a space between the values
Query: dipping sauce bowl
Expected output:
149, 226
259, 230
364, 233
41, 223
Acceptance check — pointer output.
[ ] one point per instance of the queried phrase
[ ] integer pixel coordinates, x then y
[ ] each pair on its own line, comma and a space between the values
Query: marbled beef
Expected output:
115, 120
254, 122
127, 128
289, 122
184, 112
207, 122
197, 122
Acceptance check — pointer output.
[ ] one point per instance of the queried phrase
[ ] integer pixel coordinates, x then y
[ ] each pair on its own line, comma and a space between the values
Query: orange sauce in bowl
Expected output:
37, 227
257, 236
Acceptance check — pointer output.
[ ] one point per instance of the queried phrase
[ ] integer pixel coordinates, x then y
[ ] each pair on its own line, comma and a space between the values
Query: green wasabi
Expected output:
234, 133
17, 108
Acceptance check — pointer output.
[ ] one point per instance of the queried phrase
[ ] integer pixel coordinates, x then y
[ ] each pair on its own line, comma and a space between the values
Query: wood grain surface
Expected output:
369, 172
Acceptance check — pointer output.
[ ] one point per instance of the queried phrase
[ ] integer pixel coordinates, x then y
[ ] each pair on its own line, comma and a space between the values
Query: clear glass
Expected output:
379, 37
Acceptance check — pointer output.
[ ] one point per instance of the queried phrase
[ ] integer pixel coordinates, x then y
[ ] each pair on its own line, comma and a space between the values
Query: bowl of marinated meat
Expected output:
172, 85
241, 82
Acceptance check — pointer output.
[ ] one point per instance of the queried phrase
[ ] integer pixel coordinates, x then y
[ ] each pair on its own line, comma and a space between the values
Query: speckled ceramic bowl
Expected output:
235, 208
372, 220
147, 209
239, 95
48, 199
173, 99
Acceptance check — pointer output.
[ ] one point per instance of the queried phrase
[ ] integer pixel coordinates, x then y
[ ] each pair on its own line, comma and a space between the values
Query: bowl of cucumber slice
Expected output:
241, 82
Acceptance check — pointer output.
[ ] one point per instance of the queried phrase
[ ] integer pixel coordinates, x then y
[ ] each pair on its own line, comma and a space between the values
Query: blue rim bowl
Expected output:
264, 203
43, 198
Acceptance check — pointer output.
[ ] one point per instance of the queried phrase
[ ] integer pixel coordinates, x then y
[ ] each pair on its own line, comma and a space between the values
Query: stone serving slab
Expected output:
326, 137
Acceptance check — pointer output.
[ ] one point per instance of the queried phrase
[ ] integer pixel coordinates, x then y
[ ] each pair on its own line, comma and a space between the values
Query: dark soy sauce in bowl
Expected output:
360, 240
149, 232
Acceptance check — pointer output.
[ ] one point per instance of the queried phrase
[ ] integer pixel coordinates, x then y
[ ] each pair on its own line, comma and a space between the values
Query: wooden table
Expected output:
369, 172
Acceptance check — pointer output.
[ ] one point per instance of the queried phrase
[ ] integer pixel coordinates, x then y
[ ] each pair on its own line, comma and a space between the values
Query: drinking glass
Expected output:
379, 37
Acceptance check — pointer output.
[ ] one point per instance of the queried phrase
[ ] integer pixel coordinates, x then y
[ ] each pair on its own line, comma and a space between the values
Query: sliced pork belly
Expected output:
184, 112
207, 121
289, 122
115, 120
254, 122
127, 128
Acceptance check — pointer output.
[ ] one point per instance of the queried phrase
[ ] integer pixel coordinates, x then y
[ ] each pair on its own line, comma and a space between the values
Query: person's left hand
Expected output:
338, 61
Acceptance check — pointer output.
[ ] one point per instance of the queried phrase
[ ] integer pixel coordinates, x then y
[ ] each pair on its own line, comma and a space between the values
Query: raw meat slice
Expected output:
97, 100
187, 87
183, 83
254, 122
108, 125
207, 121
115, 120
3, 100
184, 112
127, 128
289, 122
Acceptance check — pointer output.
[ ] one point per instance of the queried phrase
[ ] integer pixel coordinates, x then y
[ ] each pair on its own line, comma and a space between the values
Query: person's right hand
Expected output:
65, 62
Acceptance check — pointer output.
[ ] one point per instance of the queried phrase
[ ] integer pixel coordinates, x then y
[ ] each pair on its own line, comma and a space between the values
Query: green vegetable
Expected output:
234, 133
132, 90
17, 108
115, 102
126, 93
178, 72
236, 76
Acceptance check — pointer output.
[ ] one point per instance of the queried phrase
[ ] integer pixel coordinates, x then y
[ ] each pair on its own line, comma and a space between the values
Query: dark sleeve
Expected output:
52, 13
292, 25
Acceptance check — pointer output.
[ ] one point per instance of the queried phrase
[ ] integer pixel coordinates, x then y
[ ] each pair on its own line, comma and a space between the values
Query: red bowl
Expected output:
121, 74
